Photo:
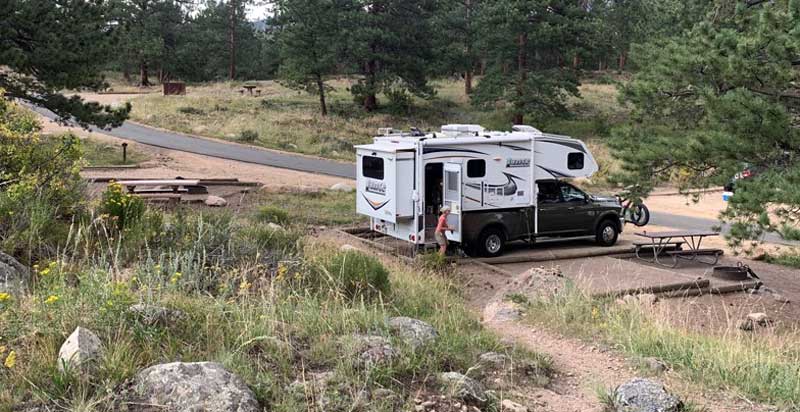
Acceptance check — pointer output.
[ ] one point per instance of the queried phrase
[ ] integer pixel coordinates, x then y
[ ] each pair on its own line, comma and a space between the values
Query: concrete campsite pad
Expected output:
606, 275
554, 250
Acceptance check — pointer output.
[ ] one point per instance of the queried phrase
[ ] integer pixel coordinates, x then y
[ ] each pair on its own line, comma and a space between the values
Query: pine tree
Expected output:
48, 46
526, 41
723, 96
308, 37
390, 43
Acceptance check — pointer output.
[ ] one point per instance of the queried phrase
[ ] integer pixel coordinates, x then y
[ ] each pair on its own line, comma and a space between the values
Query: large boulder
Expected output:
412, 331
190, 387
645, 395
80, 350
342, 187
462, 387
14, 277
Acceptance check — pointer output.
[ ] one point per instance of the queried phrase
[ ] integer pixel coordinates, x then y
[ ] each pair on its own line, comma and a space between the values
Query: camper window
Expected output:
575, 161
372, 167
476, 168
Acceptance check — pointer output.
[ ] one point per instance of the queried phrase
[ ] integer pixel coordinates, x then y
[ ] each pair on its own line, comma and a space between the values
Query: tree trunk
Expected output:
622, 60
321, 89
144, 81
370, 100
126, 73
522, 67
232, 39
468, 82
576, 61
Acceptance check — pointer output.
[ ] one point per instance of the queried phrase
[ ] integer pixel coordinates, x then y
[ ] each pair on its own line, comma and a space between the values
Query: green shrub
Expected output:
274, 239
433, 261
249, 136
124, 209
399, 101
351, 273
272, 214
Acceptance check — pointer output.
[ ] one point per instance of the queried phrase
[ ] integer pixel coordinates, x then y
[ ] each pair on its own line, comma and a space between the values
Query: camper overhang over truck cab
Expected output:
500, 187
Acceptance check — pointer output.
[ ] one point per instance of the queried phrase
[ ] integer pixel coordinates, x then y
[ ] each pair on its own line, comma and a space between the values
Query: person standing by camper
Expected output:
441, 227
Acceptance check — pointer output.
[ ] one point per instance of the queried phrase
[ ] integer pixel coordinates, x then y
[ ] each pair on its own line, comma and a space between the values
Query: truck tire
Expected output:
491, 242
607, 233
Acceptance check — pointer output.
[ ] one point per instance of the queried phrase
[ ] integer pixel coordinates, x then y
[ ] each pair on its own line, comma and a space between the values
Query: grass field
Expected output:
97, 153
284, 119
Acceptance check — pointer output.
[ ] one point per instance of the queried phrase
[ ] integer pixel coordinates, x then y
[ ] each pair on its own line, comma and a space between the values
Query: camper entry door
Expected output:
452, 198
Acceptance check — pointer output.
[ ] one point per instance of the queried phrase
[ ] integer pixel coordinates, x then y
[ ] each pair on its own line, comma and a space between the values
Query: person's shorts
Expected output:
440, 239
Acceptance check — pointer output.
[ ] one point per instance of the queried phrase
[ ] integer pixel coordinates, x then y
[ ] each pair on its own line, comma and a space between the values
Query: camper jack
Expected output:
500, 187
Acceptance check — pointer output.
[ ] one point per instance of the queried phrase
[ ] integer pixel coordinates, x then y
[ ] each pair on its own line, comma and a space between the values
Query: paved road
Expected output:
209, 147
178, 141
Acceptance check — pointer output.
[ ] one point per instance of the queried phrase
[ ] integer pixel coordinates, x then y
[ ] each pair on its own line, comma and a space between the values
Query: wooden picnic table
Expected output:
175, 184
249, 88
675, 239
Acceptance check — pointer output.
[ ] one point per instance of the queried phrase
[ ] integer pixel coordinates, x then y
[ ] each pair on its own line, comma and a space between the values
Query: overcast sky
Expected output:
257, 12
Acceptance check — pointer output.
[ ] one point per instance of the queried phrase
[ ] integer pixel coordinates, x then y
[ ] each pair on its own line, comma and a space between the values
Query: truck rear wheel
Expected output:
492, 242
607, 233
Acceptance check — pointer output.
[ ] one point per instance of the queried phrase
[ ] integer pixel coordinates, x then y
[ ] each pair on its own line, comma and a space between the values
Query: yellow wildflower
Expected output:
595, 313
51, 299
176, 277
244, 286
11, 360
4, 296
2, 350
45, 272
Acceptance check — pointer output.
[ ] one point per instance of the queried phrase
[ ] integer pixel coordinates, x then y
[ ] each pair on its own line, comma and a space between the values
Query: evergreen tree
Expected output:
390, 44
723, 96
308, 36
47, 46
458, 34
526, 41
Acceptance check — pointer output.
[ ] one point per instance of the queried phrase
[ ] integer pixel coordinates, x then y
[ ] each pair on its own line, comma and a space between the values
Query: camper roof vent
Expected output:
471, 129
525, 128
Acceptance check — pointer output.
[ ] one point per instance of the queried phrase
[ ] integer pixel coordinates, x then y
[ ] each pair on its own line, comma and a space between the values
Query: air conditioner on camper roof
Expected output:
525, 128
462, 128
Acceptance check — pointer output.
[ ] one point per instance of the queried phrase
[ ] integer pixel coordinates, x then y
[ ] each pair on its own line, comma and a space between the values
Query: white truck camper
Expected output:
487, 178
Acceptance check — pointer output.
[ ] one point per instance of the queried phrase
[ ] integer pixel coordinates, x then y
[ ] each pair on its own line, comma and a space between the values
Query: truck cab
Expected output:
563, 211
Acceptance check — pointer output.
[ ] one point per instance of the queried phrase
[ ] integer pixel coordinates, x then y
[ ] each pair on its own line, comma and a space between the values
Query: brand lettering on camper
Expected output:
377, 187
518, 163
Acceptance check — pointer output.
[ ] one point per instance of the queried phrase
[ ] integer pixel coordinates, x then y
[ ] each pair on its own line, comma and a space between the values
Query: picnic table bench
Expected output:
671, 243
156, 186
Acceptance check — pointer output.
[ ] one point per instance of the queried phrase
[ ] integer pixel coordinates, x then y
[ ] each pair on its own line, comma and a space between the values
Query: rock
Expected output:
348, 248
14, 277
196, 387
745, 325
760, 319
152, 315
508, 405
494, 361
412, 331
462, 387
275, 227
643, 299
371, 350
655, 365
645, 395
777, 297
80, 349
342, 187
313, 386
759, 254
216, 201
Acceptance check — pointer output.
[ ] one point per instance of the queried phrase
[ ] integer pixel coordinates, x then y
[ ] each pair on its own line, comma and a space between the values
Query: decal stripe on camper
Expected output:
375, 205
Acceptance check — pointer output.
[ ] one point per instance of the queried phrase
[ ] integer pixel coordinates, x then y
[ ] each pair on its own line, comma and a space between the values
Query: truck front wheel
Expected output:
492, 242
607, 233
